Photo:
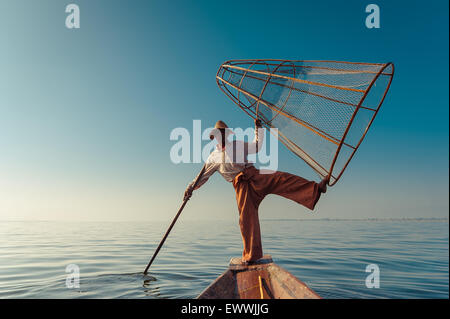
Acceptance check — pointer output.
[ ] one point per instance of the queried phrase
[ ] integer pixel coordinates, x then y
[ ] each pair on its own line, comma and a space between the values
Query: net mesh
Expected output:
322, 109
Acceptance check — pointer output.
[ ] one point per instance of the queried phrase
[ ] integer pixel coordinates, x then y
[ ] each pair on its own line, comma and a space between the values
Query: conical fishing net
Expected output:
322, 109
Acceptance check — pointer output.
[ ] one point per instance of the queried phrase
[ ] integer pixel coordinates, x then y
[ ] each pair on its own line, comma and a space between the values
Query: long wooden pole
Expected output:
174, 220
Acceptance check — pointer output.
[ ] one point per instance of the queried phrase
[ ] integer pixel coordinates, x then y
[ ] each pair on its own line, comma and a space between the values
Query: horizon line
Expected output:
262, 219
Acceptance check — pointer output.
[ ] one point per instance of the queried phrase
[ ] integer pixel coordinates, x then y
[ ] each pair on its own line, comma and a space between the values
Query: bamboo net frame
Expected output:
322, 109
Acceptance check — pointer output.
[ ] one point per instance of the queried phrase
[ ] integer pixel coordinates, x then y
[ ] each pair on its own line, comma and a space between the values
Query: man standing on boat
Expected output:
251, 186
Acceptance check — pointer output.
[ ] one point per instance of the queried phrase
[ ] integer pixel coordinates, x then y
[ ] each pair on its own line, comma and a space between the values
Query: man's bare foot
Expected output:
248, 262
323, 185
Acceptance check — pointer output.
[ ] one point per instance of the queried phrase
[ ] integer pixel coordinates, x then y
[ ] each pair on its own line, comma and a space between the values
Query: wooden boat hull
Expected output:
261, 280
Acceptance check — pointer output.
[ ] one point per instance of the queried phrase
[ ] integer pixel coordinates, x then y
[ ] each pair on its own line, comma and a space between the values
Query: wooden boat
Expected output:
262, 279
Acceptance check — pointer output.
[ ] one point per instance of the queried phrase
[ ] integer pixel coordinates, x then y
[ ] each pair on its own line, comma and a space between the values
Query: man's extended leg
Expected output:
290, 186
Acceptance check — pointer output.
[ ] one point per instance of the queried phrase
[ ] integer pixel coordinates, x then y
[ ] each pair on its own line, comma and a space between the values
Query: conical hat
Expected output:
219, 125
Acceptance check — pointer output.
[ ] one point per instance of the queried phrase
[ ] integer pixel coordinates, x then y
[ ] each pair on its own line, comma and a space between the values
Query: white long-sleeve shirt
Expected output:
230, 160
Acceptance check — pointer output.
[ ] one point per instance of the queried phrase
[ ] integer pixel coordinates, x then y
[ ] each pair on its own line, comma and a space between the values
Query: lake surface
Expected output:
329, 256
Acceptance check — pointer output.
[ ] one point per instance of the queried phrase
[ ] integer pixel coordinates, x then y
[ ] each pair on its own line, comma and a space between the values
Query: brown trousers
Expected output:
251, 187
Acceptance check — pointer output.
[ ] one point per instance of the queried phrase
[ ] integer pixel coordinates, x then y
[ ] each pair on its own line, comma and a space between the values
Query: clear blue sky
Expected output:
85, 115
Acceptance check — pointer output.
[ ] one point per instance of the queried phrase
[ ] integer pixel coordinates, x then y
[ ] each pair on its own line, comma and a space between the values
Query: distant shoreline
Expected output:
405, 219
358, 219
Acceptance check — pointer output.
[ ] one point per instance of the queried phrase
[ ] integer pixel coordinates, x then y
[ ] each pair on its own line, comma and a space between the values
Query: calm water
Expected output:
329, 256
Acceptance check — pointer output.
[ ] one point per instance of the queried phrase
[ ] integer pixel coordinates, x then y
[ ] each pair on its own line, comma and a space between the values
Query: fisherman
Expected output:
251, 186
